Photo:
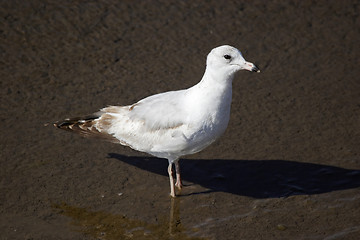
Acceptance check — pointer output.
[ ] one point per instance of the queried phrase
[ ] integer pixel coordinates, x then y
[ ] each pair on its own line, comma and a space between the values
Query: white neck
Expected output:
217, 77
212, 93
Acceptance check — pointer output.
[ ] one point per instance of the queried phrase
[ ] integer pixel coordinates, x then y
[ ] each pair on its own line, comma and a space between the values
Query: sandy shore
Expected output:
288, 166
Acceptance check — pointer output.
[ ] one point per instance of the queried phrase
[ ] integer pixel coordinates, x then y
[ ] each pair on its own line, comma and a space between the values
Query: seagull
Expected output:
171, 124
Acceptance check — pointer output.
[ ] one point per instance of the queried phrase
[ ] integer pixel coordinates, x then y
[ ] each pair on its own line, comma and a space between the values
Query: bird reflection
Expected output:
174, 220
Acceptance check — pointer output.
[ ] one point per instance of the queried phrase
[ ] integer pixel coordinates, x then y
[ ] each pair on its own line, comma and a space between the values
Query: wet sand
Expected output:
288, 166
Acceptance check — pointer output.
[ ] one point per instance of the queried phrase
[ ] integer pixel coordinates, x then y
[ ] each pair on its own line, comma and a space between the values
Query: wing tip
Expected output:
85, 127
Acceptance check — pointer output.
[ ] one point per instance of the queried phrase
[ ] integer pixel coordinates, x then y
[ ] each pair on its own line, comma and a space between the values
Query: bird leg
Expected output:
178, 183
172, 188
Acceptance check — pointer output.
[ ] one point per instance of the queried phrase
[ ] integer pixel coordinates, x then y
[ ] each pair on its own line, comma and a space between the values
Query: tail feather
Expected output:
85, 126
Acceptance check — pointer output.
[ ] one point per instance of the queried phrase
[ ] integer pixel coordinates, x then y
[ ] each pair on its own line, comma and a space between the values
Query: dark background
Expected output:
286, 168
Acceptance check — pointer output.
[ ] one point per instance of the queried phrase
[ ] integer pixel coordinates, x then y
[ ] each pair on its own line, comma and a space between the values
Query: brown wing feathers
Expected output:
85, 127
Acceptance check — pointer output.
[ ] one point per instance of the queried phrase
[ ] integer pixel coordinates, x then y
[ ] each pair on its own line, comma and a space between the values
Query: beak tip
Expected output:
255, 69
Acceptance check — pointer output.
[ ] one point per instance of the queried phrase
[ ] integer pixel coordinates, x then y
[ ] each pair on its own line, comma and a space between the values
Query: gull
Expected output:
171, 124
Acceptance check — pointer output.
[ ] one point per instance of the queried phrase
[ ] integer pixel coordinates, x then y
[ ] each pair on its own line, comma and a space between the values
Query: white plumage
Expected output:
172, 124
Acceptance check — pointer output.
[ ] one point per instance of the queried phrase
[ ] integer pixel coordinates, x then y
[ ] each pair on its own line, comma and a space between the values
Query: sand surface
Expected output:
288, 166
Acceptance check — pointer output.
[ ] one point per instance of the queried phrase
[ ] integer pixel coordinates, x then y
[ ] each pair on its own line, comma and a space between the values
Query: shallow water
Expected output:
102, 225
310, 200
279, 218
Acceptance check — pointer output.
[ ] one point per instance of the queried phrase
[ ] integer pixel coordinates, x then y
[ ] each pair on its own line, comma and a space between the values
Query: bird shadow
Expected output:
255, 178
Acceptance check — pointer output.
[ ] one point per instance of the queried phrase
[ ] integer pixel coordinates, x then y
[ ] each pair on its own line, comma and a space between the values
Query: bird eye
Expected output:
227, 56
